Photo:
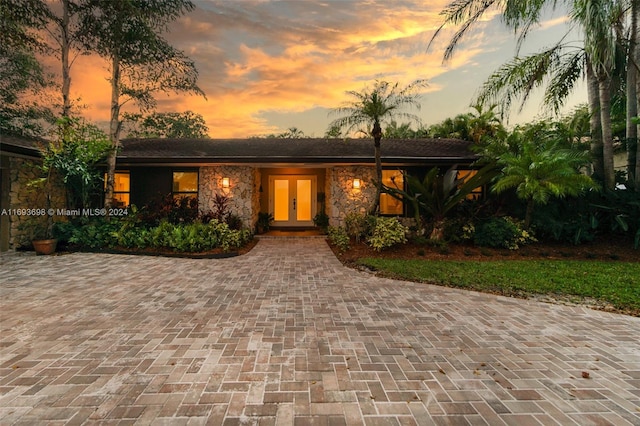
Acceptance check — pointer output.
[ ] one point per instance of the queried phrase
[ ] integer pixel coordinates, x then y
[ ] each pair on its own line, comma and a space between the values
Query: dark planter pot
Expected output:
45, 246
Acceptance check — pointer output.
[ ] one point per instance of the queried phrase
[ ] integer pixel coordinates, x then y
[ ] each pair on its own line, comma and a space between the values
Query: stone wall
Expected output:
24, 194
244, 198
342, 198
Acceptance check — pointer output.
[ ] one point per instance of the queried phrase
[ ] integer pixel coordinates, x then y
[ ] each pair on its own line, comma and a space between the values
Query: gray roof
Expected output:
20, 145
317, 151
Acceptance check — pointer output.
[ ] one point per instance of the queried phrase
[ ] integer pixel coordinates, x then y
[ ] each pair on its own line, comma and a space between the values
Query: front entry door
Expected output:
292, 200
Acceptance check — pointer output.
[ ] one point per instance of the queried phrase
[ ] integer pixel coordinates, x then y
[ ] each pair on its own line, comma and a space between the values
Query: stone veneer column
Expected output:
242, 191
343, 197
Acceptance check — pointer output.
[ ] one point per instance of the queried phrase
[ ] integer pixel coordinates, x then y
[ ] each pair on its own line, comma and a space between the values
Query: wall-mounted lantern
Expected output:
225, 182
357, 183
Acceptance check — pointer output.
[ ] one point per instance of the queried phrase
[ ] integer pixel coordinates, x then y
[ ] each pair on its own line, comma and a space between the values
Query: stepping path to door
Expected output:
286, 335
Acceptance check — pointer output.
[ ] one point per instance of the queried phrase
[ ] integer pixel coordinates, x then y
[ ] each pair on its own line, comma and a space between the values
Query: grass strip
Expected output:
614, 283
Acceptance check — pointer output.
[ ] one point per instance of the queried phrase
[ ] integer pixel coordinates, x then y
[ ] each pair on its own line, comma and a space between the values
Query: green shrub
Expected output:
338, 237
63, 231
358, 225
387, 232
321, 220
504, 232
459, 229
95, 233
181, 237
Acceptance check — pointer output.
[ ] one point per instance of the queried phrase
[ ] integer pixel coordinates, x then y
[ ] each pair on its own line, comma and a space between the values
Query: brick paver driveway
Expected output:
287, 335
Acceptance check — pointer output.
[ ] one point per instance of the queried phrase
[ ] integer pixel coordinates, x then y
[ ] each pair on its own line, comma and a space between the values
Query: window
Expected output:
388, 204
465, 175
185, 184
121, 188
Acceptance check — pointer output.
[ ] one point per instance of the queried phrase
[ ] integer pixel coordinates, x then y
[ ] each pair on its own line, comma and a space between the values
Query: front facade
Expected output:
291, 179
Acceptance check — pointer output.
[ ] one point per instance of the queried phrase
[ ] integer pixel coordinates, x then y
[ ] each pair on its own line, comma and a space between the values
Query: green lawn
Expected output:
614, 283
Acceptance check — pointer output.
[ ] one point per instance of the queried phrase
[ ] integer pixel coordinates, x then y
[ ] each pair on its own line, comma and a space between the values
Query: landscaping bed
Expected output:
217, 253
607, 248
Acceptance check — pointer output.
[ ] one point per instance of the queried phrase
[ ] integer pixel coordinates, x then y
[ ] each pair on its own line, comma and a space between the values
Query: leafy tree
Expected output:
74, 153
456, 128
539, 170
63, 39
21, 75
370, 108
128, 34
173, 125
475, 126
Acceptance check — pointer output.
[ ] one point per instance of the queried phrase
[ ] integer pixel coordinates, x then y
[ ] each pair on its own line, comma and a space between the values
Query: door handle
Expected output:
294, 203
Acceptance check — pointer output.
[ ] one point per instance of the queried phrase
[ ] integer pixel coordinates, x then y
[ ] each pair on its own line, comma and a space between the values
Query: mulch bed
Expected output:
210, 254
605, 248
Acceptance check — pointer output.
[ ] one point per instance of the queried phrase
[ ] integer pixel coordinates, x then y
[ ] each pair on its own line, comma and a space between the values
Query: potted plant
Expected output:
39, 232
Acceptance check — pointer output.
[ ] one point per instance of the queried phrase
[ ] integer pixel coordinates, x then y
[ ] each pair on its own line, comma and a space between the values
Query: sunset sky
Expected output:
268, 65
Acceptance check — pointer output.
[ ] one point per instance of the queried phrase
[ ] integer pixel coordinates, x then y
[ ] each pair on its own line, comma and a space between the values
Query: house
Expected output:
279, 176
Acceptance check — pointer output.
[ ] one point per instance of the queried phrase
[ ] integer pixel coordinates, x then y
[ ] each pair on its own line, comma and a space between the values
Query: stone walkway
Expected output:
286, 335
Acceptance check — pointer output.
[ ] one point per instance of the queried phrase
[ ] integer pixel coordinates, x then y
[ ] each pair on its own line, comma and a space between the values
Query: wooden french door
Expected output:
292, 200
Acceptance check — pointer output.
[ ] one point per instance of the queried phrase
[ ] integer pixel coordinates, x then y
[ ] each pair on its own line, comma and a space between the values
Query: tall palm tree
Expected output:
370, 108
561, 66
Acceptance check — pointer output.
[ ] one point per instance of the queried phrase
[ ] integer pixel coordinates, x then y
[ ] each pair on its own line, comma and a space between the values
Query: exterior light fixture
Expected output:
225, 182
356, 184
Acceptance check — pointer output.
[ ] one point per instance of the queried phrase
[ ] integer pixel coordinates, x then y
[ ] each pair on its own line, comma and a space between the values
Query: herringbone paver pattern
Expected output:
287, 336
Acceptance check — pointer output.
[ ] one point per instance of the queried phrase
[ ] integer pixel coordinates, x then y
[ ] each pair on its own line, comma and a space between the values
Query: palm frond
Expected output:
518, 78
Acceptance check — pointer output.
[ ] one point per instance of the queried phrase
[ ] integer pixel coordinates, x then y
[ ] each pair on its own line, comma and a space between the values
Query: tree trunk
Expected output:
114, 131
377, 137
64, 46
595, 125
632, 101
635, 10
604, 86
528, 216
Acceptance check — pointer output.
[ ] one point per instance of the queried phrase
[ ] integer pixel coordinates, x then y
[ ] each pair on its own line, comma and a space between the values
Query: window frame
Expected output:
477, 193
403, 206
179, 194
116, 192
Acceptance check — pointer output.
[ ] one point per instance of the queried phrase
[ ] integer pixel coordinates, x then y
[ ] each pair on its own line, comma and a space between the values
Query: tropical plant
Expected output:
477, 126
372, 107
539, 171
561, 65
438, 193
264, 221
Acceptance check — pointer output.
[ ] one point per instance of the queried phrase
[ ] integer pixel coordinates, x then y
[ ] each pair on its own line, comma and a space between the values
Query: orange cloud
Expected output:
259, 58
